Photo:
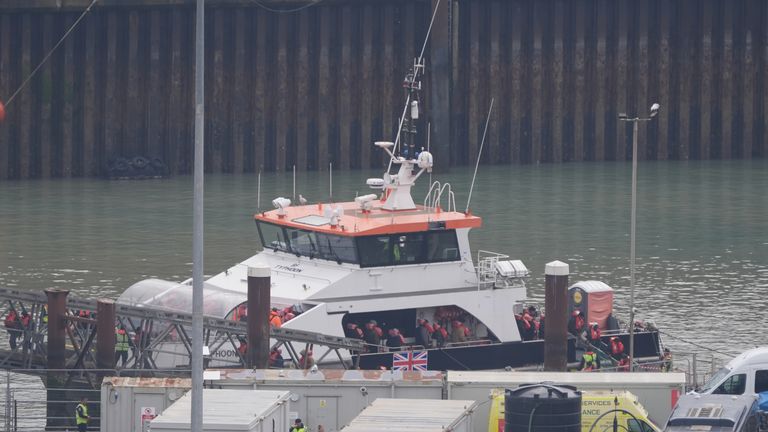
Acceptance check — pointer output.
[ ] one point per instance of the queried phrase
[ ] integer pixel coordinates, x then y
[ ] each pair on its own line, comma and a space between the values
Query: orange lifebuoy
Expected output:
2, 111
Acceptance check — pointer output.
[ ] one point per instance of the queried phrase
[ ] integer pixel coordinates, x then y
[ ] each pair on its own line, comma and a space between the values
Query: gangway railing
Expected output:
165, 336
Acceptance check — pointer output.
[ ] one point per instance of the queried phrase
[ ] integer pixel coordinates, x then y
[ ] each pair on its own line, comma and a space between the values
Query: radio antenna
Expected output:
412, 82
479, 153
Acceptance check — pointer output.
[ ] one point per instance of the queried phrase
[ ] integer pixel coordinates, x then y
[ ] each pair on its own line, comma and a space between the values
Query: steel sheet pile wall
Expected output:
321, 84
562, 70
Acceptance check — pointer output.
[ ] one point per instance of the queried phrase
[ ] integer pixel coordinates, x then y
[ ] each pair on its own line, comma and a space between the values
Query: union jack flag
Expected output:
410, 360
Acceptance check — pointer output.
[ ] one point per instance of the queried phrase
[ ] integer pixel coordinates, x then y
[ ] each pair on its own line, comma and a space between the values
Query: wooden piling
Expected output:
5, 88
495, 82
601, 74
326, 106
748, 78
57, 325
175, 135
726, 84
705, 88
537, 70
516, 84
685, 74
66, 163
475, 110
304, 78
641, 73
579, 78
257, 355
440, 83
556, 307
105, 334
25, 100
663, 56
558, 142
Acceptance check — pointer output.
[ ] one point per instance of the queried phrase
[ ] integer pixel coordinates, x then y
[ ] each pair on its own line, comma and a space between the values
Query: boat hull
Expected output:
503, 355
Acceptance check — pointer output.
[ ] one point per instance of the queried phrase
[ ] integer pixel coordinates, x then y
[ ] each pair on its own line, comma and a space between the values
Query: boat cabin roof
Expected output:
355, 222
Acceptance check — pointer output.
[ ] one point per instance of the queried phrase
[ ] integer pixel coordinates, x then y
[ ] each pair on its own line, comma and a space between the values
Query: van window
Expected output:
734, 385
761, 381
638, 426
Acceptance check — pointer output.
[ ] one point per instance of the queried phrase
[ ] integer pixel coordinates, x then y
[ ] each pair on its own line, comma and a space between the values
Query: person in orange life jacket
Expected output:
13, 326
589, 361
274, 319
459, 333
372, 336
594, 334
26, 324
529, 326
276, 358
352, 331
440, 335
306, 360
576, 323
395, 339
243, 347
617, 347
422, 333
623, 365
541, 327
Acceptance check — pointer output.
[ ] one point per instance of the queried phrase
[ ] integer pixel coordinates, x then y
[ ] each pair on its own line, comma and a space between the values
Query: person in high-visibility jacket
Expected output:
121, 346
589, 361
81, 415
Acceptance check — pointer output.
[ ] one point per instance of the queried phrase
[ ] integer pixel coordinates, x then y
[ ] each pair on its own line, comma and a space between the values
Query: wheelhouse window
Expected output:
307, 243
337, 248
375, 251
368, 251
273, 237
408, 248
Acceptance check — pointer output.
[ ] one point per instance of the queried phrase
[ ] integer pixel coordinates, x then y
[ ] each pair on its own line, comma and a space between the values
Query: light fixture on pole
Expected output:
623, 117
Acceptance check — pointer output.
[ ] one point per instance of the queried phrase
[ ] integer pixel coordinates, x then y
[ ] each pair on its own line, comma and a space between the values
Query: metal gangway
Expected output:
165, 342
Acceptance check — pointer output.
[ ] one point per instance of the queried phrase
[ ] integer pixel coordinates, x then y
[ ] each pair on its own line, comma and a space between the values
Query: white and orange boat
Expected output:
383, 257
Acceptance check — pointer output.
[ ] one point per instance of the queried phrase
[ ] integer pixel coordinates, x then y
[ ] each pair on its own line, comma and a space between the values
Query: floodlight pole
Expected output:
196, 420
633, 224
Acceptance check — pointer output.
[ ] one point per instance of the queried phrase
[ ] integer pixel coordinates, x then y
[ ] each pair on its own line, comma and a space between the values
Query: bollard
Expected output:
105, 334
57, 310
259, 302
556, 305
57, 413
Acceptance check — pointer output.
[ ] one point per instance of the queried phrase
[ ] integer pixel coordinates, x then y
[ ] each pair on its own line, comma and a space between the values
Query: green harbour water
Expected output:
702, 236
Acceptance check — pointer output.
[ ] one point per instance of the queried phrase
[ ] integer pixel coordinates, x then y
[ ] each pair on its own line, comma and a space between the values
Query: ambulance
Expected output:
598, 408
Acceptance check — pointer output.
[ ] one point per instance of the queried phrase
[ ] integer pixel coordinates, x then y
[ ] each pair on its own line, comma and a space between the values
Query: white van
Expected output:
745, 374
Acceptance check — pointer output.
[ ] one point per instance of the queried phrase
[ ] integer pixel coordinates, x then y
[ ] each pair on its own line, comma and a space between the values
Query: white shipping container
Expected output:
129, 404
414, 415
229, 410
656, 391
332, 397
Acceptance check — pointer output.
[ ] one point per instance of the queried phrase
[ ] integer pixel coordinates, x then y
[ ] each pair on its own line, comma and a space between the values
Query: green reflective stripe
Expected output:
84, 419
122, 342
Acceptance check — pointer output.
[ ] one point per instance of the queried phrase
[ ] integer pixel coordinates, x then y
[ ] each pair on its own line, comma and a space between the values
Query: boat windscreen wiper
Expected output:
333, 252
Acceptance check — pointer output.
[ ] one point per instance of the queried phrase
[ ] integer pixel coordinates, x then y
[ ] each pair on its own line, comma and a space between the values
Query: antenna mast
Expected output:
410, 115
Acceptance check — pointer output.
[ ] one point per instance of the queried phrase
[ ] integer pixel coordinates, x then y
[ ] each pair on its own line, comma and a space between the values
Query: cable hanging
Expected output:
297, 9
47, 56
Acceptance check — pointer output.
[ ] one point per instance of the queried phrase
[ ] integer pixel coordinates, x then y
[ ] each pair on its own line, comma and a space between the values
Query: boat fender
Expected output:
120, 165
140, 162
2, 111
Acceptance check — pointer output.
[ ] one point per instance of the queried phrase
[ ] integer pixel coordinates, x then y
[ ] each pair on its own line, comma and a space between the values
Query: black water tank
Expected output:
542, 408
